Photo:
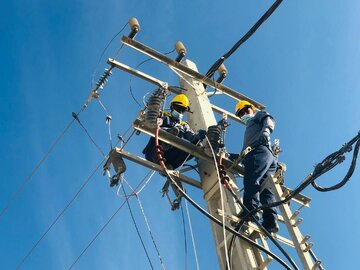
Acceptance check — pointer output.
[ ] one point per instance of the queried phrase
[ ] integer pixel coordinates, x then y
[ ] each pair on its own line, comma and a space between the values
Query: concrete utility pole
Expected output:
245, 256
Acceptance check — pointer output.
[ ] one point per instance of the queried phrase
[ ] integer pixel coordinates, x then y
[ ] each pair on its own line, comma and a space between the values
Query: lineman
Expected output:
173, 123
174, 157
259, 163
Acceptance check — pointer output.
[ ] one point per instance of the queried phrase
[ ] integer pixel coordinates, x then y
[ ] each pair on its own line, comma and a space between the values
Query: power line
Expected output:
88, 134
37, 167
136, 228
252, 30
110, 219
59, 216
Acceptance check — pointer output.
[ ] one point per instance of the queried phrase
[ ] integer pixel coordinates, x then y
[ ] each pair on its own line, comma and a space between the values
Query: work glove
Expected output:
201, 134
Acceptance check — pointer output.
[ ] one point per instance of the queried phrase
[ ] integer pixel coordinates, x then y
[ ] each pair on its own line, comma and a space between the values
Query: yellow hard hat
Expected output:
181, 100
242, 104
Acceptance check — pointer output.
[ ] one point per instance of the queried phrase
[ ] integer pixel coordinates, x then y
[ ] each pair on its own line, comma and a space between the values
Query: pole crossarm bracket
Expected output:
176, 174
183, 145
188, 71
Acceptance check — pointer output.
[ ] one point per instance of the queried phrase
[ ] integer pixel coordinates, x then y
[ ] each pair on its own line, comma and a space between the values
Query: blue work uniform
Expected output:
173, 156
259, 163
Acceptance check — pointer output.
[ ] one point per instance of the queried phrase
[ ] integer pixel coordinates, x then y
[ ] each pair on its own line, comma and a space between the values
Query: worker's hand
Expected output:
264, 139
202, 133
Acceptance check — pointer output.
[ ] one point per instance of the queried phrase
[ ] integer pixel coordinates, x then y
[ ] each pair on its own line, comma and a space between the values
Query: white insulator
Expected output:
222, 70
134, 24
180, 48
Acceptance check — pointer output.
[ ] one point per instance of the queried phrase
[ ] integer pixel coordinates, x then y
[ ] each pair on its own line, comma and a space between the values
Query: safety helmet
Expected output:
242, 104
181, 100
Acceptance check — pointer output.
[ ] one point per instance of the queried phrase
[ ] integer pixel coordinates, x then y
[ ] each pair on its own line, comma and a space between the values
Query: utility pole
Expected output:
244, 255
220, 203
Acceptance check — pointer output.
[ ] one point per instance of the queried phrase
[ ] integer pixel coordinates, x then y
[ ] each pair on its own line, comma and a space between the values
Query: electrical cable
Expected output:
185, 242
149, 230
211, 217
252, 30
327, 164
63, 210
136, 228
88, 134
238, 201
104, 226
102, 54
58, 216
192, 236
136, 194
222, 204
97, 235
130, 80
22, 185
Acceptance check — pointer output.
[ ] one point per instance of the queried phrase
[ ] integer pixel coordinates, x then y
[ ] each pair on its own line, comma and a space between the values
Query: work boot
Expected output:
271, 225
241, 216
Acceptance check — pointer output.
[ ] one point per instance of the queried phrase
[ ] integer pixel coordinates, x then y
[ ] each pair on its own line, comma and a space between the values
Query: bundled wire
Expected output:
252, 30
327, 164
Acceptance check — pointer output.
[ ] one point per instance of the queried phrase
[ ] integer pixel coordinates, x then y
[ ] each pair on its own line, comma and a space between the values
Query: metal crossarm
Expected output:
188, 71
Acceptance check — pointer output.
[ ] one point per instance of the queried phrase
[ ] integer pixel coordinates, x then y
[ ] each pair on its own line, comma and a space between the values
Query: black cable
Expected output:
347, 176
185, 241
252, 30
327, 164
136, 228
261, 228
59, 216
102, 54
141, 63
192, 167
218, 222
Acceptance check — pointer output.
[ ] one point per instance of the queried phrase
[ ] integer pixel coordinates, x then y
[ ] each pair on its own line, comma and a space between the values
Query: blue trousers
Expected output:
259, 163
174, 156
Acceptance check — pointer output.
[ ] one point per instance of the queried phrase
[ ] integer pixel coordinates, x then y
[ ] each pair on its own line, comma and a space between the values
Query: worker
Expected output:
259, 163
173, 123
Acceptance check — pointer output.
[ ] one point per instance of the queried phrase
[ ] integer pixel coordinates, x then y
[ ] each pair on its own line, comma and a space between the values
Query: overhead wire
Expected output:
137, 66
103, 52
184, 233
62, 212
149, 230
192, 236
248, 34
136, 228
107, 223
84, 184
88, 134
26, 180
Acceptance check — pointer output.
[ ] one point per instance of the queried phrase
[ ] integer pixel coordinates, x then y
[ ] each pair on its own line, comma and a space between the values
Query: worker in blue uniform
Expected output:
173, 123
259, 163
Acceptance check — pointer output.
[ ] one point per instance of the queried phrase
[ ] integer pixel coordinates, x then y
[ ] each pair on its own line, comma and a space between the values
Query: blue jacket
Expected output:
258, 130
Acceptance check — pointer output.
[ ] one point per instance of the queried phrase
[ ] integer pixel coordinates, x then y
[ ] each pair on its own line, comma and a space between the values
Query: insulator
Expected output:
135, 27
154, 107
213, 135
181, 50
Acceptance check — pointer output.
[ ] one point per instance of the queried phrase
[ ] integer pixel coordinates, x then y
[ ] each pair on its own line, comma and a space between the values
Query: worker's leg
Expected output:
175, 157
257, 163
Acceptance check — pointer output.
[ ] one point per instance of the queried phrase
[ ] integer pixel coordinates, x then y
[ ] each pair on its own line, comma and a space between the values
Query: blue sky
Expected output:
303, 64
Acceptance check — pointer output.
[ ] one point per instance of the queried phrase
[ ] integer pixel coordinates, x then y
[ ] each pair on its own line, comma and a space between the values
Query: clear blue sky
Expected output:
303, 64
